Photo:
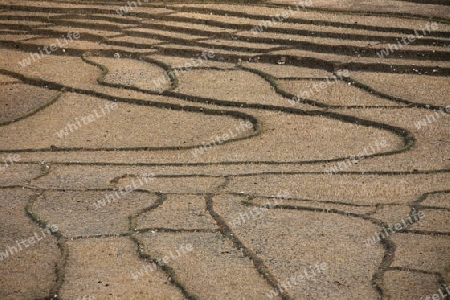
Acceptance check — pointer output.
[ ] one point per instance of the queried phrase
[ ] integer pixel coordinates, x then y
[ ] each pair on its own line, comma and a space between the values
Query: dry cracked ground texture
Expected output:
108, 136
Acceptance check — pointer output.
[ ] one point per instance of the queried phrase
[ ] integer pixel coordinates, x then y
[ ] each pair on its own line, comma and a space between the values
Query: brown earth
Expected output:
180, 152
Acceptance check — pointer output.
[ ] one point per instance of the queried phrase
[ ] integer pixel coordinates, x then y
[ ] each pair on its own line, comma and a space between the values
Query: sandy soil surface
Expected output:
224, 151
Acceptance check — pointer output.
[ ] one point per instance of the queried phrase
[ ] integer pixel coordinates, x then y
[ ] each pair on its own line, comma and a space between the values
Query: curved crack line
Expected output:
44, 171
380, 94
100, 236
440, 278
194, 40
161, 105
387, 244
250, 201
172, 230
417, 203
34, 111
140, 246
164, 267
322, 64
432, 207
133, 217
273, 81
61, 241
115, 181
101, 79
131, 44
226, 231
426, 232
81, 189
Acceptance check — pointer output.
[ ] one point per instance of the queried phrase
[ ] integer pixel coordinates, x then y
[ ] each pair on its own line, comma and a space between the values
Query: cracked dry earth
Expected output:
141, 209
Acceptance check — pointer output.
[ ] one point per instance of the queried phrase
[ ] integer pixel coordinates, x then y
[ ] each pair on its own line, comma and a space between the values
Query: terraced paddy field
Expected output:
274, 150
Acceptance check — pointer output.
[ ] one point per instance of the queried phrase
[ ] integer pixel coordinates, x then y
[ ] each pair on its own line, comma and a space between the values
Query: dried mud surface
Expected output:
181, 153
